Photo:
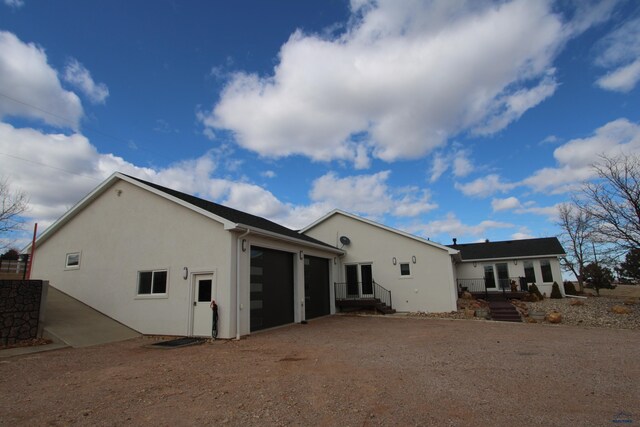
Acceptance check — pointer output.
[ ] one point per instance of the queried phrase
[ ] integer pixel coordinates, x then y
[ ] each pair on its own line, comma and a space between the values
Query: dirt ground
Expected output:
339, 370
621, 291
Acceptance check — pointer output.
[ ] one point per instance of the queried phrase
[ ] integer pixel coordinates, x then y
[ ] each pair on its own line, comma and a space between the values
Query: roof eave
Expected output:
271, 234
514, 257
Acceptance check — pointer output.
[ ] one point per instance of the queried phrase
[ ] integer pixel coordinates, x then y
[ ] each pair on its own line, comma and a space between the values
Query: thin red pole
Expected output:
33, 251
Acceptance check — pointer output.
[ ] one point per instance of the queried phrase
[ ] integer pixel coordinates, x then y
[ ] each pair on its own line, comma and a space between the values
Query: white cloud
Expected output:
574, 158
509, 203
405, 75
31, 88
458, 160
485, 186
268, 174
369, 195
622, 79
524, 233
451, 226
620, 53
78, 76
16, 4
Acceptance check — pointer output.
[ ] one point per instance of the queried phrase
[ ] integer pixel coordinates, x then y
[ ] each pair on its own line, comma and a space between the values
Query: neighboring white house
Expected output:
495, 265
418, 273
153, 259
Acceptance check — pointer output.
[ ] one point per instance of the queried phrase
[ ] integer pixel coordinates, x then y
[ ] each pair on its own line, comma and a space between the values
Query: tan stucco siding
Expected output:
430, 287
128, 229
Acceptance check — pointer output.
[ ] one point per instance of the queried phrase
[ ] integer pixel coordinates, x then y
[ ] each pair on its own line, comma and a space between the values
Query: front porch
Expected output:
352, 296
506, 289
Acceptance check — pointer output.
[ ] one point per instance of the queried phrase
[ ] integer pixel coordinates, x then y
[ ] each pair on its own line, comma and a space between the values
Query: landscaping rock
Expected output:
630, 301
467, 295
619, 309
575, 302
554, 317
469, 312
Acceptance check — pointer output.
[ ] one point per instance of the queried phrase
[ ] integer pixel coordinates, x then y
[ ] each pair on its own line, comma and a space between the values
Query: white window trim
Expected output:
407, 276
72, 267
164, 295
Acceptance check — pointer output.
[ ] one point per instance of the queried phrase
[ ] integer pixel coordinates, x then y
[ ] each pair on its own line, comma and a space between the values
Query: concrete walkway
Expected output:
71, 322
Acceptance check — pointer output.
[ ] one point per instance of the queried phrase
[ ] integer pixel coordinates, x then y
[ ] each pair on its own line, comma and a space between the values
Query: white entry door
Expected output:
204, 290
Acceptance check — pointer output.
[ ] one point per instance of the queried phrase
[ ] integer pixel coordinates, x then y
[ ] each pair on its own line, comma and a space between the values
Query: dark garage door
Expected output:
271, 288
316, 287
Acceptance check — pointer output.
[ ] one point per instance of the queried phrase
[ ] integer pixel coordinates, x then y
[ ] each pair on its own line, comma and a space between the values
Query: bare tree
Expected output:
614, 201
577, 239
14, 204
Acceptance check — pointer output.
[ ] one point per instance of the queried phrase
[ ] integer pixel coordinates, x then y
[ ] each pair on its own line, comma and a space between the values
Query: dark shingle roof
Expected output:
546, 246
234, 215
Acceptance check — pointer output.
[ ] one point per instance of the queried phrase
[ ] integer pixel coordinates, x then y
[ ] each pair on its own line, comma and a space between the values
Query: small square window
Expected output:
405, 269
152, 282
72, 260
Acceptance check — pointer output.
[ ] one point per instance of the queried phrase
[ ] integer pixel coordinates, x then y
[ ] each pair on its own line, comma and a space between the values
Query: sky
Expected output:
466, 119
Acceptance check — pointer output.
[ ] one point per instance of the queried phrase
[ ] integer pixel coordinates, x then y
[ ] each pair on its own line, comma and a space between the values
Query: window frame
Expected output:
547, 263
405, 276
68, 266
152, 294
533, 270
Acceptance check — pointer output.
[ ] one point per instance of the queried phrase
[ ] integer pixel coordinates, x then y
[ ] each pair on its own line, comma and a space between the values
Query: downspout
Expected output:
238, 252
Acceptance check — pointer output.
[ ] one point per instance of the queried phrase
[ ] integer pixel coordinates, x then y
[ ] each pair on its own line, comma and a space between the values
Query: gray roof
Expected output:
234, 215
546, 246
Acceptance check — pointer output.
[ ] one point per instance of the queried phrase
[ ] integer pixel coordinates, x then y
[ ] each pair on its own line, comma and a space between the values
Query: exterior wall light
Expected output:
244, 245
185, 273
474, 264
394, 261
301, 255
413, 259
515, 262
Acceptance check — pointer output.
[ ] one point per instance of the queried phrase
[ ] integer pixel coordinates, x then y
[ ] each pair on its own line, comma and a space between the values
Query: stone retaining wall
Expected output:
20, 314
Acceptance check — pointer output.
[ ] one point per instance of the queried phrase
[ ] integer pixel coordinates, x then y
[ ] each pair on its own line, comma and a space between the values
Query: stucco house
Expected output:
154, 258
418, 273
494, 266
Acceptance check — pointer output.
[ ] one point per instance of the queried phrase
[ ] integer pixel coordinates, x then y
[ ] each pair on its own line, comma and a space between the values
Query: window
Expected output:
405, 270
152, 282
545, 266
529, 272
73, 260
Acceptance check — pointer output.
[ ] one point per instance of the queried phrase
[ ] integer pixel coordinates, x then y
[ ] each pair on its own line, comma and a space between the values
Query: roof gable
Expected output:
527, 248
229, 217
451, 251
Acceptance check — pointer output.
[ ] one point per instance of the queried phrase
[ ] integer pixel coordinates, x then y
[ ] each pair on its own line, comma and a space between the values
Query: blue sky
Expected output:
467, 119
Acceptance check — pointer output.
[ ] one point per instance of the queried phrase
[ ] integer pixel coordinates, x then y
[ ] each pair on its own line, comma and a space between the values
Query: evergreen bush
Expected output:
555, 291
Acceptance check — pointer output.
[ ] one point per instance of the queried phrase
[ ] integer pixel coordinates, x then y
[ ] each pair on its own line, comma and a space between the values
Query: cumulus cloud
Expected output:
575, 158
451, 226
30, 87
78, 76
457, 159
574, 165
509, 203
620, 54
403, 76
485, 186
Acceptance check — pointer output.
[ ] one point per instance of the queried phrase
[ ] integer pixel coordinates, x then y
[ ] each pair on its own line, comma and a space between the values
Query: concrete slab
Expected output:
74, 323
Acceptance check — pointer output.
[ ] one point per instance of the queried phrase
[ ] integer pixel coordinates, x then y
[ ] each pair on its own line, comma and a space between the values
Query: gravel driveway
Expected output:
339, 370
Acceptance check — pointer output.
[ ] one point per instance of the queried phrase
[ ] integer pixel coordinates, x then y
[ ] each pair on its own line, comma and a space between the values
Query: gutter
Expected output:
278, 236
238, 252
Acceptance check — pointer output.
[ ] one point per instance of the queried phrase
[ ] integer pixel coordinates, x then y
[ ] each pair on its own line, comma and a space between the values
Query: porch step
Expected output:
354, 304
503, 311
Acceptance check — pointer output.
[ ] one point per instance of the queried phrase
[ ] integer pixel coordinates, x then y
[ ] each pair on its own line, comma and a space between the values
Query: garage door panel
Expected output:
271, 288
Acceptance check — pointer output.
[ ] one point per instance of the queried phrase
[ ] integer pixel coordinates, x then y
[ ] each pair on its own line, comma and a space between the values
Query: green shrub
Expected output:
570, 289
555, 291
533, 289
